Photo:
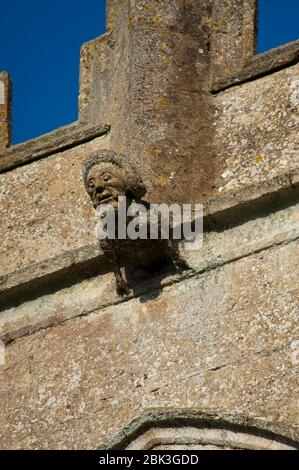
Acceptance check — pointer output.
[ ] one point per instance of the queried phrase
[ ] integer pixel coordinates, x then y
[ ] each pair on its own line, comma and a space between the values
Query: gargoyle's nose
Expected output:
100, 185
99, 189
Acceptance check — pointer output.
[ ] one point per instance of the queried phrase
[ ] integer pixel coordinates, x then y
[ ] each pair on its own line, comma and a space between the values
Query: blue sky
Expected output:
278, 23
40, 46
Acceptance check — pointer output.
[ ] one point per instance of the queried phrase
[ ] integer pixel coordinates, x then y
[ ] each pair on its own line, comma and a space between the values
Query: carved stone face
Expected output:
105, 184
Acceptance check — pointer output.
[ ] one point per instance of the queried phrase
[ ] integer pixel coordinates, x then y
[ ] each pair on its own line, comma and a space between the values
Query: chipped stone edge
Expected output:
59, 140
196, 417
261, 65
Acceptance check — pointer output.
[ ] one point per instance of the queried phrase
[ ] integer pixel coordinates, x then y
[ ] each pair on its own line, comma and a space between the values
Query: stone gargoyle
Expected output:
109, 178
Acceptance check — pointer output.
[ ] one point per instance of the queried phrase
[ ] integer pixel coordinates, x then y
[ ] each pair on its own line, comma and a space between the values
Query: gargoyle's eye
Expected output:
106, 177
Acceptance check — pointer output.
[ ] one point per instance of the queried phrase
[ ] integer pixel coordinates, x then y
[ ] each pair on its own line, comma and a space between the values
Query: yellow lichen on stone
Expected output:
259, 159
156, 152
131, 21
163, 101
162, 180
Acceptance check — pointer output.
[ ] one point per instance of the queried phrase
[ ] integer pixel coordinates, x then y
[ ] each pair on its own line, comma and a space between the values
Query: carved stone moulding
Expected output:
184, 430
190, 437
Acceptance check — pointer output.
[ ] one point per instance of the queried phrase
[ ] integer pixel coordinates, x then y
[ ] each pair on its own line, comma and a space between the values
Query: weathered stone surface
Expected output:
159, 91
186, 437
218, 345
260, 65
44, 209
248, 143
56, 263
230, 351
191, 427
5, 109
49, 144
95, 75
233, 37
256, 128
60, 289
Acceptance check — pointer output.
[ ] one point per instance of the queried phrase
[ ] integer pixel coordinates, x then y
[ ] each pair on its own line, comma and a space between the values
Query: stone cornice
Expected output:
49, 144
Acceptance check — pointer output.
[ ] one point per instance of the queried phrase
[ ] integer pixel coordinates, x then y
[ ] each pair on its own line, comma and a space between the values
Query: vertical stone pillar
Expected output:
151, 77
5, 110
160, 107
233, 37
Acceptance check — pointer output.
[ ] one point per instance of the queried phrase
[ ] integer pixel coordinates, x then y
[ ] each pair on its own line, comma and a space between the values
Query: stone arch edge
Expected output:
160, 418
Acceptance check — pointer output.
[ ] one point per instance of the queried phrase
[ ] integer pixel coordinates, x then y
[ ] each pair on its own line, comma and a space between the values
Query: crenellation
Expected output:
5, 110
2, 92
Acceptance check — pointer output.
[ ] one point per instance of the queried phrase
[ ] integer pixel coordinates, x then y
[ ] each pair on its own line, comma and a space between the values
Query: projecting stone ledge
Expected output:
260, 65
78, 283
61, 139
234, 206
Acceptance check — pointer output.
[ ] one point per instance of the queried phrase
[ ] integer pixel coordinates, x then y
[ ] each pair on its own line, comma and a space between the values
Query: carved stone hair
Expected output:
135, 187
